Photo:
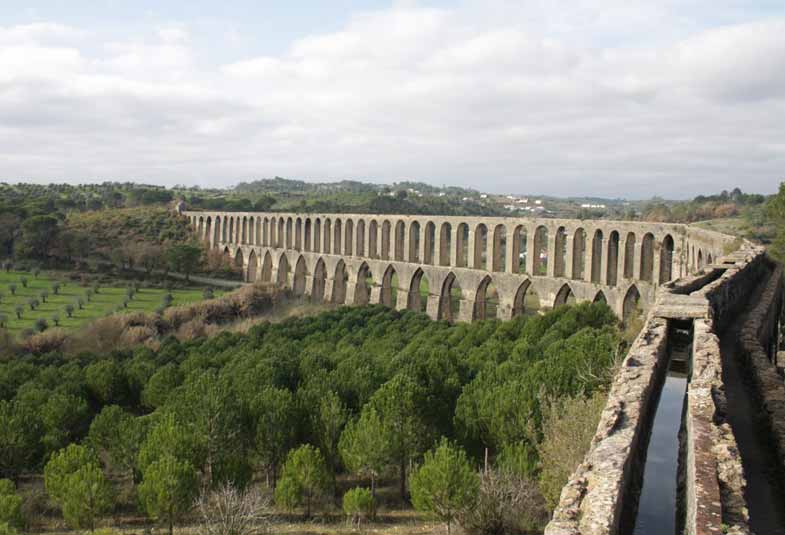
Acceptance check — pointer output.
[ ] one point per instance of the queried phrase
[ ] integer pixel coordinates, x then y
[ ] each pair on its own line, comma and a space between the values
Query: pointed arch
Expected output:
317, 236
429, 249
298, 234
666, 259
319, 281
400, 233
541, 251
486, 300
239, 262
450, 299
267, 267
612, 271
386, 230
499, 248
526, 301
647, 258
373, 239
630, 305
217, 231
289, 232
360, 238
414, 242
389, 294
700, 259
279, 235
337, 235
308, 234
339, 283
253, 267
445, 244
560, 250
565, 296
519, 249
419, 288
462, 246
283, 271
480, 247
348, 242
363, 285
300, 273
596, 256
629, 256
327, 231
600, 298
579, 255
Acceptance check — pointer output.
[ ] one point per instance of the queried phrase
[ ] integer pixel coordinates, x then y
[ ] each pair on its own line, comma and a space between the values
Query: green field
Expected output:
106, 301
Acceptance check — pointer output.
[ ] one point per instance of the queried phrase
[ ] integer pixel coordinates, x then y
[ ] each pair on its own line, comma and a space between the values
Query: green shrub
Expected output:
358, 505
10, 505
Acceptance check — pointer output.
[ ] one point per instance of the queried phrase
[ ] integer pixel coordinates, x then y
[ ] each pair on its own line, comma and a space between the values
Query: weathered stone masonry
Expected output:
594, 499
355, 258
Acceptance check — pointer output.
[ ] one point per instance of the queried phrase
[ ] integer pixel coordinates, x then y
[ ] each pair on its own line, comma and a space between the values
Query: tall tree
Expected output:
305, 476
168, 489
398, 403
275, 416
364, 447
445, 484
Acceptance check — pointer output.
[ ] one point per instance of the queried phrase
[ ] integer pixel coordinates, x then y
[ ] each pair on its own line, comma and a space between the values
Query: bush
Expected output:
69, 310
507, 503
568, 428
24, 281
43, 294
3, 320
41, 325
36, 272
55, 320
358, 504
18, 309
305, 479
10, 505
33, 303
55, 288
12, 288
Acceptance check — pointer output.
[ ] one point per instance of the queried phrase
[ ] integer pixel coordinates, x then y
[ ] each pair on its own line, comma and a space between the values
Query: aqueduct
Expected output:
460, 268
715, 305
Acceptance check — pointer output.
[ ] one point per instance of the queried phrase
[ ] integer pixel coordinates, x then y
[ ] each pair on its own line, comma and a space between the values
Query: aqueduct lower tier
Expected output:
460, 268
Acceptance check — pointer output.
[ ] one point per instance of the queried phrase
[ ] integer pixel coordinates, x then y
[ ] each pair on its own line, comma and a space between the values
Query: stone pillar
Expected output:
636, 265
432, 307
466, 311
655, 278
489, 249
530, 251
376, 294
421, 245
552, 237
329, 282
350, 291
510, 263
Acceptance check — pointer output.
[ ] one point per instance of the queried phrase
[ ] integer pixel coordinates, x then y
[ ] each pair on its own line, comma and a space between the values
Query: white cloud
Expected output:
500, 98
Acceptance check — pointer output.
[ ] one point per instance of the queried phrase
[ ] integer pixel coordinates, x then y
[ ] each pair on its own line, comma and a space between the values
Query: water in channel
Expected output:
658, 507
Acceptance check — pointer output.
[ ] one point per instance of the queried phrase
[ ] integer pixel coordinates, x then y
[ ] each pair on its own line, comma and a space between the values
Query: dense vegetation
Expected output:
364, 392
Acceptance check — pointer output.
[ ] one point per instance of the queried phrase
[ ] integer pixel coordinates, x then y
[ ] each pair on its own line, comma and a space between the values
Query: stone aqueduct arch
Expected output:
524, 263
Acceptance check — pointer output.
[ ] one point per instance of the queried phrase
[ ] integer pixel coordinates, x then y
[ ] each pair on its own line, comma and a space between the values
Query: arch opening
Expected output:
480, 247
429, 249
339, 283
596, 257
267, 267
541, 251
564, 297
612, 271
499, 248
400, 232
319, 281
486, 302
445, 244
253, 263
300, 273
647, 258
666, 259
450, 299
419, 289
462, 245
631, 310
579, 255
283, 272
527, 301
362, 292
560, 253
348, 243
361, 238
414, 242
389, 294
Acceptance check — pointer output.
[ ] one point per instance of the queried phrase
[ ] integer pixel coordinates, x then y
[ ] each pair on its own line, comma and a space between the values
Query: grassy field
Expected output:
106, 301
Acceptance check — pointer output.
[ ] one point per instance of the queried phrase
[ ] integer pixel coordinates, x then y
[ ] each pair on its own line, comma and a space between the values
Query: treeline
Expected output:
361, 391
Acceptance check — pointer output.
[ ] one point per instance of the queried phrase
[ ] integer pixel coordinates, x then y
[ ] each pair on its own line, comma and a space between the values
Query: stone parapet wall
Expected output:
592, 502
755, 337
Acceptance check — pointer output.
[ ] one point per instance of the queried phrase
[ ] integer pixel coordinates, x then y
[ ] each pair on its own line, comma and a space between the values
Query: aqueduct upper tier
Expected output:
460, 268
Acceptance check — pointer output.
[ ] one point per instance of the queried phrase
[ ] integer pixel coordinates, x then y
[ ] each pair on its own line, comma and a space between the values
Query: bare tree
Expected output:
228, 510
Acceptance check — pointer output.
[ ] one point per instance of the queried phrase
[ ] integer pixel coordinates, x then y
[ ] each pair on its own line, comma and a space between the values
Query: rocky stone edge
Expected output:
715, 478
591, 502
769, 384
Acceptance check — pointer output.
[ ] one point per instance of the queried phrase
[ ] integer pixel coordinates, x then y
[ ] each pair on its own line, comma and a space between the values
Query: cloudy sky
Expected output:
628, 98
